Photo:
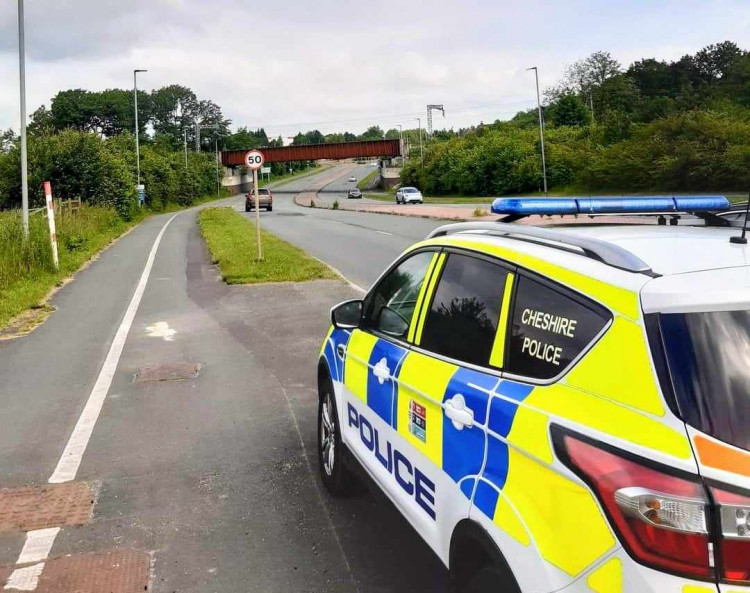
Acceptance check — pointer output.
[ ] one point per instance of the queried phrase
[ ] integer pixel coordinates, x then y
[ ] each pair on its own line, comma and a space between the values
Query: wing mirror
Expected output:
347, 315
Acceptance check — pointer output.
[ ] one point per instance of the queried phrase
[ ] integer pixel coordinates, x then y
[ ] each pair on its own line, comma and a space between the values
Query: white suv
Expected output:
408, 195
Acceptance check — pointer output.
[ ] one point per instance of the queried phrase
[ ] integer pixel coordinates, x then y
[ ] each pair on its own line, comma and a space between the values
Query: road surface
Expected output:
197, 470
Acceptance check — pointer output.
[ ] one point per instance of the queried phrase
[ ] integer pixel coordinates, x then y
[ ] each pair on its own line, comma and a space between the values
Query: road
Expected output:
197, 470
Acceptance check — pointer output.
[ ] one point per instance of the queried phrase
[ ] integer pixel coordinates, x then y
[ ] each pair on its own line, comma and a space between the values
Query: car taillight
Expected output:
660, 517
733, 512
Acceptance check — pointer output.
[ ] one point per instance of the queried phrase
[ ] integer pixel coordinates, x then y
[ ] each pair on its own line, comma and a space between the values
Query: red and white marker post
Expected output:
51, 222
254, 160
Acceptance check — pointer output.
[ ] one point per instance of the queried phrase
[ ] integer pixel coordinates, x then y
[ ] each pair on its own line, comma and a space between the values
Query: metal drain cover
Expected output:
174, 371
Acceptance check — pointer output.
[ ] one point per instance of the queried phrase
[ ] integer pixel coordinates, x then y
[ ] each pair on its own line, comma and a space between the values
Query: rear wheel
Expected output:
270, 209
337, 478
489, 580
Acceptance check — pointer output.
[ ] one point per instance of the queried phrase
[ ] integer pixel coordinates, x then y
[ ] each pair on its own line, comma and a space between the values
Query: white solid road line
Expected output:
67, 467
383, 233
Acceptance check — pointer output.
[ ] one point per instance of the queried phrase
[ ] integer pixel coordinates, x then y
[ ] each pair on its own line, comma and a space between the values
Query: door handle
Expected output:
458, 413
381, 371
341, 351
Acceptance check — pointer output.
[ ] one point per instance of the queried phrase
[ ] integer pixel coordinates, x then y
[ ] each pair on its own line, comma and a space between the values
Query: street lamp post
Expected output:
137, 142
24, 156
541, 127
421, 151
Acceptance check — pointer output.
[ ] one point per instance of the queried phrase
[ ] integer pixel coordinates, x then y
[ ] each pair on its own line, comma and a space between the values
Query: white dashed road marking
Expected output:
38, 544
26, 578
67, 467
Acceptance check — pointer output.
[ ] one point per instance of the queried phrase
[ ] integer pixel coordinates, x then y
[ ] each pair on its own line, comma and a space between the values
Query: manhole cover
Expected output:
290, 214
168, 372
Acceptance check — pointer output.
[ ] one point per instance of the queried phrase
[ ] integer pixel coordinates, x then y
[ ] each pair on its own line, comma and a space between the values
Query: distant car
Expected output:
354, 193
408, 195
352, 179
265, 200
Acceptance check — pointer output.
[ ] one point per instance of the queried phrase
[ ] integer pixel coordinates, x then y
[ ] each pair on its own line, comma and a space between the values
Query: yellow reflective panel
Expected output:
355, 366
497, 356
328, 335
564, 519
422, 376
428, 296
619, 299
588, 409
607, 578
618, 367
530, 433
422, 290
507, 520
698, 589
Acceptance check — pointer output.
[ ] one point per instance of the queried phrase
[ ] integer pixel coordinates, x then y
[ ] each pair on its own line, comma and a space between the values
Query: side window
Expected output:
390, 307
463, 317
550, 327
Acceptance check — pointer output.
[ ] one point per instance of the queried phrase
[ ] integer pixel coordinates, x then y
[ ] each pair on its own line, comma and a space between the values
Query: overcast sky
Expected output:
301, 64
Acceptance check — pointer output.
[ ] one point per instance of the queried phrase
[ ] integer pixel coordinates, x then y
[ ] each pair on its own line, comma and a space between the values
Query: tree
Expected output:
568, 110
173, 110
8, 140
585, 75
41, 122
372, 133
717, 60
392, 134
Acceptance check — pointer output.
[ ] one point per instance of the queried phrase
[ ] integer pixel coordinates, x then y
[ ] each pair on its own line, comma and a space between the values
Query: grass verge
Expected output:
27, 274
231, 240
367, 179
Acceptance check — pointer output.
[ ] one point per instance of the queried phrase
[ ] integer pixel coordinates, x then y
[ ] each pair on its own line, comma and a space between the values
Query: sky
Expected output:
293, 65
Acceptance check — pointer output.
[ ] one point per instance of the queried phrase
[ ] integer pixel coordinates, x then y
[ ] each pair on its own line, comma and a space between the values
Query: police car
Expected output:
557, 409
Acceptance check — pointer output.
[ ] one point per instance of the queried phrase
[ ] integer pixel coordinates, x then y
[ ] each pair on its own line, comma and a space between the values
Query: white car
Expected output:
408, 195
352, 179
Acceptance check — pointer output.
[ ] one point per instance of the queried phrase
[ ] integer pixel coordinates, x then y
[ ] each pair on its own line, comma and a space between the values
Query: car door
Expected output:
444, 387
373, 360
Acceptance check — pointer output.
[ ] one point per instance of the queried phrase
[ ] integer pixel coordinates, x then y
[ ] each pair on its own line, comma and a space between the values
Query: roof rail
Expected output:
607, 253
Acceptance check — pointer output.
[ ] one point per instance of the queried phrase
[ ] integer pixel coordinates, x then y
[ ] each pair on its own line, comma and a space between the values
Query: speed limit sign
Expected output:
254, 159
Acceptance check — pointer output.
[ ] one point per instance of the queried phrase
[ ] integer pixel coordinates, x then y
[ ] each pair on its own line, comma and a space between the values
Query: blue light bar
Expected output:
608, 205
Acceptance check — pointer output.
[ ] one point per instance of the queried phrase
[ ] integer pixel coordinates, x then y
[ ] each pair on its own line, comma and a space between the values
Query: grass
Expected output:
367, 179
231, 240
27, 273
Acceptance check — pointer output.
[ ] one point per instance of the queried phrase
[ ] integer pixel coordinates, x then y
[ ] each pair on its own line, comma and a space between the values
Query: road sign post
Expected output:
254, 160
51, 222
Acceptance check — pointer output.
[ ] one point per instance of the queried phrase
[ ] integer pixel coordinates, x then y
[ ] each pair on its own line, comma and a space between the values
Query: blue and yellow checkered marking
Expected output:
463, 450
380, 392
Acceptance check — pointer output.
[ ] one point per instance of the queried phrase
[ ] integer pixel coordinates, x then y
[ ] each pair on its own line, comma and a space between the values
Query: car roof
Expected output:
672, 250
693, 268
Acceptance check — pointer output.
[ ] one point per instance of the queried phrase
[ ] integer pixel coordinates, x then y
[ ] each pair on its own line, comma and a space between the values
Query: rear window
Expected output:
550, 328
708, 360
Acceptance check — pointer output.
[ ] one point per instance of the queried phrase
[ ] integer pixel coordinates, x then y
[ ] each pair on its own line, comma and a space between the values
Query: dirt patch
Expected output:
26, 322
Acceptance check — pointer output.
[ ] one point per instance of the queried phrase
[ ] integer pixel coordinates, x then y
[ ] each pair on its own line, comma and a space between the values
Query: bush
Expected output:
103, 172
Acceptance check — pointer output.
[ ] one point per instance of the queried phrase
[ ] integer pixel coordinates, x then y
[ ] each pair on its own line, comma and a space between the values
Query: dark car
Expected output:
265, 200
354, 193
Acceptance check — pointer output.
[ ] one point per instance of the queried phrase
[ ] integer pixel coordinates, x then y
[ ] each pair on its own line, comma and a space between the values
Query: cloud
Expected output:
337, 65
